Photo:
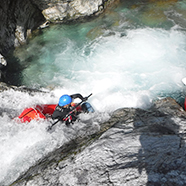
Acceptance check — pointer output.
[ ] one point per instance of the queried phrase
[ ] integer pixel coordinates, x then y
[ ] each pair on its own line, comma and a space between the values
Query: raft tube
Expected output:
37, 112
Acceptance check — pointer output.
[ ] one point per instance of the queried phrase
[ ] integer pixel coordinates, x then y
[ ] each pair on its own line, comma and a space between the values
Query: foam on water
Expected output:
120, 71
23, 144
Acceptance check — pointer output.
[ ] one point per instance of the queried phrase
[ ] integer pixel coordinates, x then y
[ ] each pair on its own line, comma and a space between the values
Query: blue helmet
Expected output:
64, 100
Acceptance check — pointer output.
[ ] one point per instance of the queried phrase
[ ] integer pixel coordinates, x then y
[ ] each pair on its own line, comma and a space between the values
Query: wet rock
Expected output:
17, 19
134, 147
60, 11
3, 64
31, 91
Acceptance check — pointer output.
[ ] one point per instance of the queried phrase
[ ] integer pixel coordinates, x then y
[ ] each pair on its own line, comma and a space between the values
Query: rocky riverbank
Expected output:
134, 147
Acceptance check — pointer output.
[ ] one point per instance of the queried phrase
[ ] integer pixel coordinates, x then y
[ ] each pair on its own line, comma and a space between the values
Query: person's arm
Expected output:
60, 113
74, 96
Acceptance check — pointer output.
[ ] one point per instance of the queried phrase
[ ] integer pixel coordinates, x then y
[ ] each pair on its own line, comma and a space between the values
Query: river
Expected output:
129, 56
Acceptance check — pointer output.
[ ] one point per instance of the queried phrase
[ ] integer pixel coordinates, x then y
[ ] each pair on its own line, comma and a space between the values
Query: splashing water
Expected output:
120, 71
128, 57
121, 60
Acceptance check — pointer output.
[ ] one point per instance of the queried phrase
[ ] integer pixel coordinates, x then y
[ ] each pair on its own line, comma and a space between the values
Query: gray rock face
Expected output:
139, 148
58, 11
17, 19
3, 64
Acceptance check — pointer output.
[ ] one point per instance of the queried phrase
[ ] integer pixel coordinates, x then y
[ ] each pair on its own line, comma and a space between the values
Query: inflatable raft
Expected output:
46, 110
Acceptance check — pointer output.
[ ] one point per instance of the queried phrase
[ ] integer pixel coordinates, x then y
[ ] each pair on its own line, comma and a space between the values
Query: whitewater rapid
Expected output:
24, 144
122, 65
128, 70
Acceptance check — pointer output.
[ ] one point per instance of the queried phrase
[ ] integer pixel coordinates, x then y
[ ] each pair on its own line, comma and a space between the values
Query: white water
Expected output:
127, 71
23, 144
128, 68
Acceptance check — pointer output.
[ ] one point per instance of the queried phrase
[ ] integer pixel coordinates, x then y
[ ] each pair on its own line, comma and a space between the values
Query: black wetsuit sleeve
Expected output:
60, 113
74, 96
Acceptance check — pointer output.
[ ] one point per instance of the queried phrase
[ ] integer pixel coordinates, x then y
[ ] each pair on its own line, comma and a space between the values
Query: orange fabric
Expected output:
77, 108
47, 108
29, 114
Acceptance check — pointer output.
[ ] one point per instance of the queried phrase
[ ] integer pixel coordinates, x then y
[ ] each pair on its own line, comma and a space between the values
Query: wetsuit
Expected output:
60, 112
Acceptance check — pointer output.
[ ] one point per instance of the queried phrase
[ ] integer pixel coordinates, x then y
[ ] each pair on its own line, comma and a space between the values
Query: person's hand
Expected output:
85, 99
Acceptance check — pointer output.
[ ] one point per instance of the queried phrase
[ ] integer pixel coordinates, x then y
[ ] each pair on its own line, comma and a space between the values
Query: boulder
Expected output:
60, 11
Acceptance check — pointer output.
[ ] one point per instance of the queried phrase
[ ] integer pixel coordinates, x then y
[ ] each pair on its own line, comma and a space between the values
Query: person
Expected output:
65, 106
